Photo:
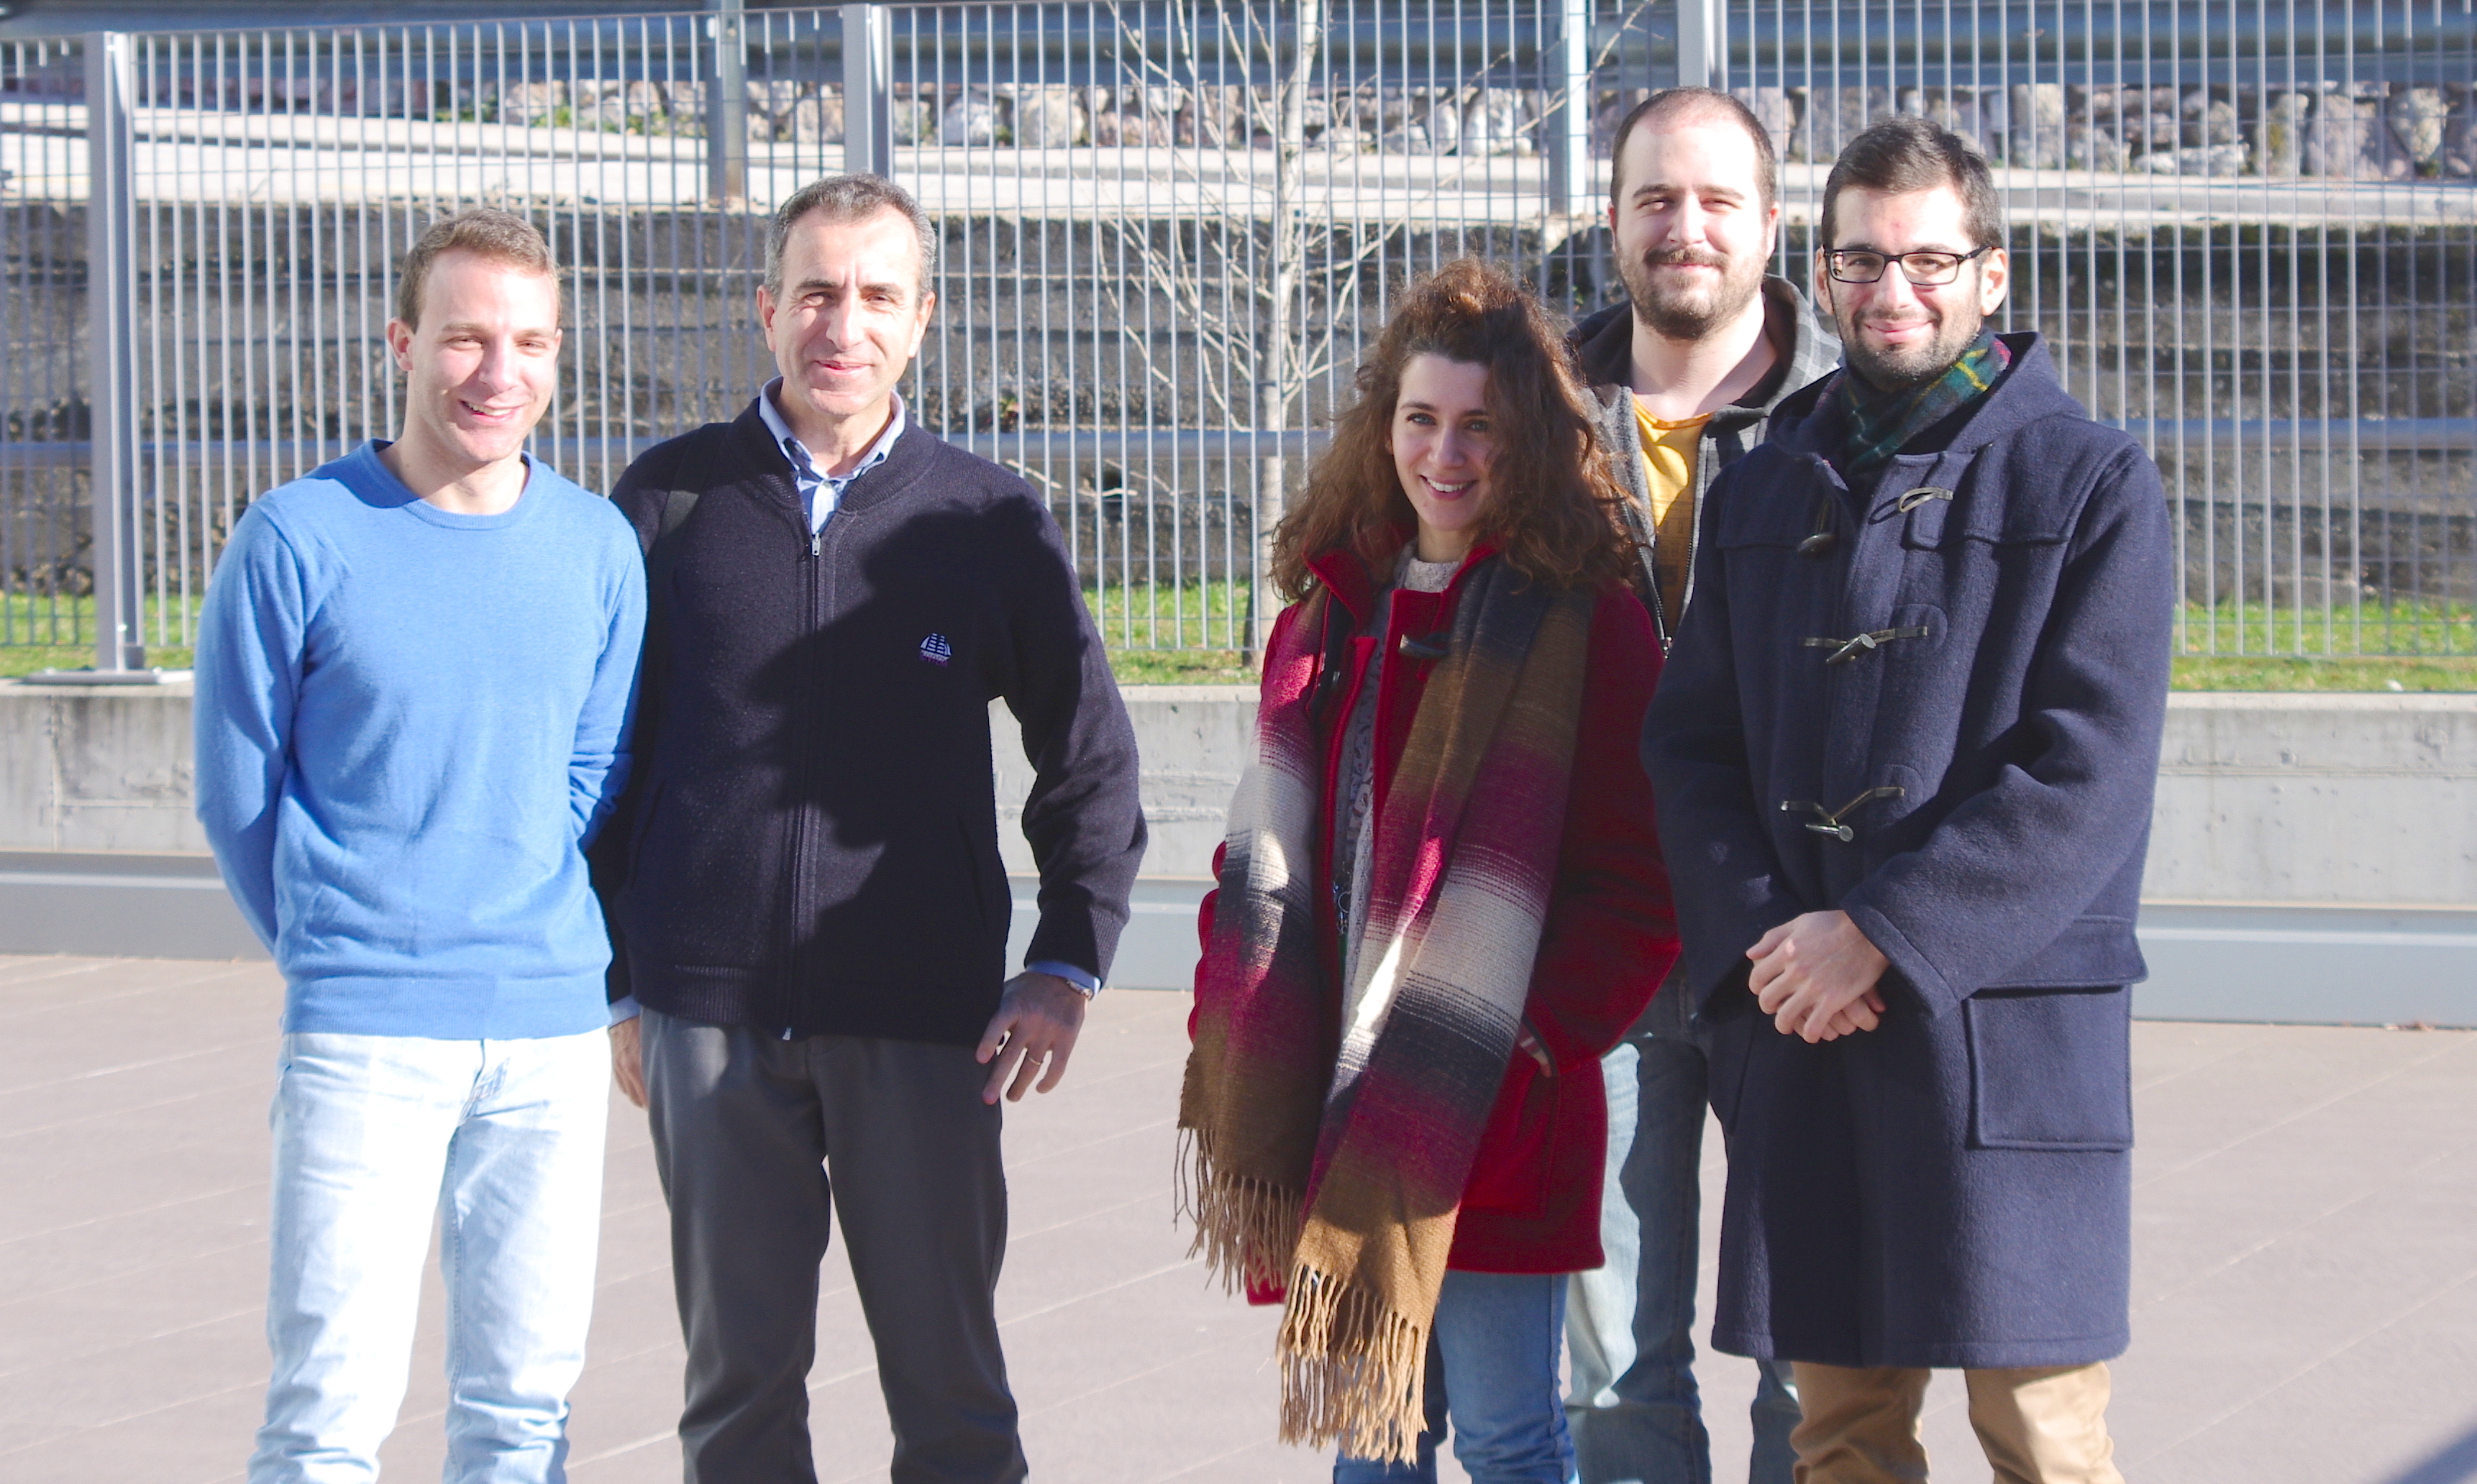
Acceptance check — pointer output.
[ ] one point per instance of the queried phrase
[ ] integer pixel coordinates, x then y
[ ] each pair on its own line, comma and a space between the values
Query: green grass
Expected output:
2408, 646
1164, 616
57, 633
1159, 634
2419, 629
18, 659
2278, 672
1181, 634
2192, 672
1182, 667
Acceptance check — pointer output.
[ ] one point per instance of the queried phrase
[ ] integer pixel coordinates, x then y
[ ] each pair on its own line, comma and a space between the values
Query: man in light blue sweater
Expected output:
414, 675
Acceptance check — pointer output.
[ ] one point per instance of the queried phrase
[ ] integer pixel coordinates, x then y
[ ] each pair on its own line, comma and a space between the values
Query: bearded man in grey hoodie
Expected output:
1687, 373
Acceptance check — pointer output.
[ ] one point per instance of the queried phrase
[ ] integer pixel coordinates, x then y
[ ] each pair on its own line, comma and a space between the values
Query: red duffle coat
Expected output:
1532, 1200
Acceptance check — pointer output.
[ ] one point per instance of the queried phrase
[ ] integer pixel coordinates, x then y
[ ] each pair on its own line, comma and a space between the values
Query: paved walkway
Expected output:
2305, 1309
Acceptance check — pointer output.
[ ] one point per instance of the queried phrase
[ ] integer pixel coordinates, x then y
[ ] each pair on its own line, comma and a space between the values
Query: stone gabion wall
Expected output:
2365, 131
1470, 120
2371, 131
1418, 120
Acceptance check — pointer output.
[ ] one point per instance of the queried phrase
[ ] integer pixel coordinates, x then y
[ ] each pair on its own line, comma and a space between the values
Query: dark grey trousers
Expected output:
757, 1140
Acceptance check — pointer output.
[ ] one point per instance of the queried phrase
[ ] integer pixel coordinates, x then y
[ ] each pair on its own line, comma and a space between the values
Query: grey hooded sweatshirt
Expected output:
1603, 347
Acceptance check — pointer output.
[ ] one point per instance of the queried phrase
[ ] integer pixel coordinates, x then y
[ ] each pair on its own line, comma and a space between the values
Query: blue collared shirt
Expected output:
823, 492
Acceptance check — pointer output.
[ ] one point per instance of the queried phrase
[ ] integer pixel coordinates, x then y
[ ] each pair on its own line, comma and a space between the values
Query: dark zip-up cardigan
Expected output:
808, 845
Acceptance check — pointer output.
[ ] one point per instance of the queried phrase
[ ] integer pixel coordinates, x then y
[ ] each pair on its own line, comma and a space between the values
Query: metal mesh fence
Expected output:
45, 425
1170, 230
2249, 233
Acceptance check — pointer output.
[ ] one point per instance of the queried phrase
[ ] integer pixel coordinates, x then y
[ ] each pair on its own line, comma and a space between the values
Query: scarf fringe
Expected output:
1354, 1371
1244, 1230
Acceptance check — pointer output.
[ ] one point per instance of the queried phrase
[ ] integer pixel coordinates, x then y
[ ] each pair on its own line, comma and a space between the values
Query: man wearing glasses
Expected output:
1905, 749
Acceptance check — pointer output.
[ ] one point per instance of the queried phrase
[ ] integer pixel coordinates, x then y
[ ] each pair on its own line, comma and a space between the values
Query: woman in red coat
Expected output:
1440, 902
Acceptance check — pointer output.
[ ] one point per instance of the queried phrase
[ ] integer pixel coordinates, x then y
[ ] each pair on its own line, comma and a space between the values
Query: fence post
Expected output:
1281, 361
111, 352
1702, 44
1263, 603
868, 90
1568, 133
726, 112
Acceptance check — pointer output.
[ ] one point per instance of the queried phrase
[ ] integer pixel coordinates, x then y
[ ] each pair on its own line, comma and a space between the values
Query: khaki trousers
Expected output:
2039, 1426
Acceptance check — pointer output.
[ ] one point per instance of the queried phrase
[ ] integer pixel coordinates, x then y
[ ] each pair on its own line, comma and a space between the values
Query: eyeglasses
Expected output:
1924, 268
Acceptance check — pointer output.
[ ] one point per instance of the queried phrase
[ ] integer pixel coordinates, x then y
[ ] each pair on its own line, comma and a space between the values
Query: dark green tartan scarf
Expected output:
1880, 423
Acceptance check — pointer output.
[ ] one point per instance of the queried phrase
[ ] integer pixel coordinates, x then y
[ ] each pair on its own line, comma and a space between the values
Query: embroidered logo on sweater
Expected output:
935, 649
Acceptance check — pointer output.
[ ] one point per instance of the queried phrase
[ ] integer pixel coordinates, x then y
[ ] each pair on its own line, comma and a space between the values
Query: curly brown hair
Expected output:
1553, 508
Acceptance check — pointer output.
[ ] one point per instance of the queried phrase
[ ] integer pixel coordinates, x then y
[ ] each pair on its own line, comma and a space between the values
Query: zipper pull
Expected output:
816, 542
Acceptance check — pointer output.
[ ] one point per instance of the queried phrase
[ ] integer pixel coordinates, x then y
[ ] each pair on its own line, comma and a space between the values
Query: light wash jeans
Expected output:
1492, 1372
1635, 1412
503, 1140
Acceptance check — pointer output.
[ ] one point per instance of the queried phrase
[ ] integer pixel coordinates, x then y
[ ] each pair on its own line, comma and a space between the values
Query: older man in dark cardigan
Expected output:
1904, 751
805, 892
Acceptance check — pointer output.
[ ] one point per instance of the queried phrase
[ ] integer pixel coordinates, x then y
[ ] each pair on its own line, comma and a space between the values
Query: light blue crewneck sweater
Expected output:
409, 724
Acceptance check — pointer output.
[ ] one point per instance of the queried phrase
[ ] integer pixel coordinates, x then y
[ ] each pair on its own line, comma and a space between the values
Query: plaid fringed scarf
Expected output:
1880, 423
1335, 1173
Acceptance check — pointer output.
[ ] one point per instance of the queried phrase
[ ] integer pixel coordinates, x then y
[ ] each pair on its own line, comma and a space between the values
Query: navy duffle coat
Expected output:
1971, 783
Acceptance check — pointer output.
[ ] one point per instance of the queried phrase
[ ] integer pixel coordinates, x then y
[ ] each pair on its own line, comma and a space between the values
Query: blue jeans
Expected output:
1635, 1413
1492, 1372
503, 1140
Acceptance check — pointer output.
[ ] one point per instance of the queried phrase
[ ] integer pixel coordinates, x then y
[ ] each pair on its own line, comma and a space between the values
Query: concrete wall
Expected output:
89, 768
2321, 799
1193, 740
2317, 799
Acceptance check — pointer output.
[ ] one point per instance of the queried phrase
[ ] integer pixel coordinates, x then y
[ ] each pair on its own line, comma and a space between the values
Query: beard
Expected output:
1897, 369
1676, 312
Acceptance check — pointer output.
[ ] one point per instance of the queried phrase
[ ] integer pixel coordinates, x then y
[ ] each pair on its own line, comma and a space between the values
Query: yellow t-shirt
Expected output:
1668, 452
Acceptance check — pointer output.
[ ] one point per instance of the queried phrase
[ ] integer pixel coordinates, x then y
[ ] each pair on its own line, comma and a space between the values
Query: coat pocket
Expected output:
2050, 1068
1510, 1174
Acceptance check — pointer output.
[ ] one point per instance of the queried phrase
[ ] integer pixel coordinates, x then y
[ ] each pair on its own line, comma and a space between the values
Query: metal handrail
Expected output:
1039, 445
